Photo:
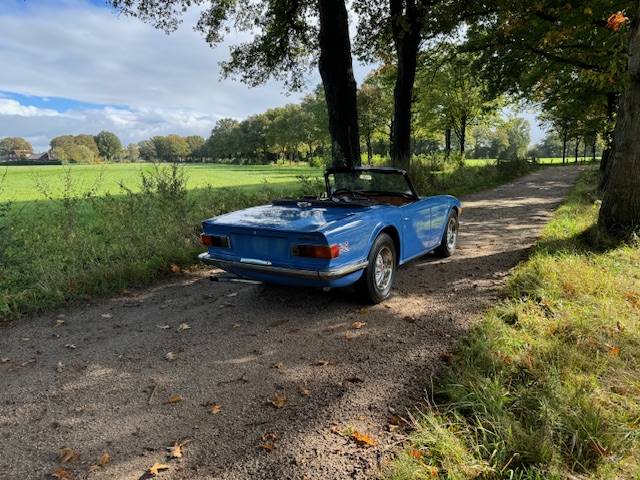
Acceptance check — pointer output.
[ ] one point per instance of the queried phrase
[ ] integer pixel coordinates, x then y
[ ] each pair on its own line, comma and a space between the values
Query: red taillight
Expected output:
316, 251
214, 240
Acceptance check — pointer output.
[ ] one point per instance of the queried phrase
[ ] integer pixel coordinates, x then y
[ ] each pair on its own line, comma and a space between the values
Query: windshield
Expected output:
369, 182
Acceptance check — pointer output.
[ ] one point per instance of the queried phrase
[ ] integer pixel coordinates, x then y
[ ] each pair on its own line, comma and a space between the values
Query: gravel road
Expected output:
288, 371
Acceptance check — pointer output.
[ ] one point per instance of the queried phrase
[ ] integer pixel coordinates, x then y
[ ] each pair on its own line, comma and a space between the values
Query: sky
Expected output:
74, 66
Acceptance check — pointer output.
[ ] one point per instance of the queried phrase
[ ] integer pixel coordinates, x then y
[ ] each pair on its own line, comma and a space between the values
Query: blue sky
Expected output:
73, 66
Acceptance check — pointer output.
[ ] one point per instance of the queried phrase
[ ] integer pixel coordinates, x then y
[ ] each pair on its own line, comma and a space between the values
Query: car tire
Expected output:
449, 236
377, 279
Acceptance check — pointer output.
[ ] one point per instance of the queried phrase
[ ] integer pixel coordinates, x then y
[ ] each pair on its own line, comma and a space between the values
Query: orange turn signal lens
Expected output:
316, 251
214, 240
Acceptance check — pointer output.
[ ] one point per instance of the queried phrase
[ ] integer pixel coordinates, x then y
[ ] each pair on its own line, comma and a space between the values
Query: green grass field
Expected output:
23, 183
547, 385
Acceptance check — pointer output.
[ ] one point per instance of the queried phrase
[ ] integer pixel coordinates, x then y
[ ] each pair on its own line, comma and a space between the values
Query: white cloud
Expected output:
131, 125
13, 107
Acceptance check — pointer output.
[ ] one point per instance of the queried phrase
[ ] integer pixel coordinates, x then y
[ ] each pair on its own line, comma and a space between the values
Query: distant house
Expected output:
23, 157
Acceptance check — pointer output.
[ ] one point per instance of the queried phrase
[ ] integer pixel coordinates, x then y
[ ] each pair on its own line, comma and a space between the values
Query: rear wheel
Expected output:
377, 279
449, 236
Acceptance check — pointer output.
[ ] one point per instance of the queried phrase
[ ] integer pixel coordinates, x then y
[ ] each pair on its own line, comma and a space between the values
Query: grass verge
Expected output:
548, 384
83, 242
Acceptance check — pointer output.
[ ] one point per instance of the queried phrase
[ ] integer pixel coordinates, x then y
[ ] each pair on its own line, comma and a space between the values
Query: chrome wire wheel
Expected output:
452, 233
383, 271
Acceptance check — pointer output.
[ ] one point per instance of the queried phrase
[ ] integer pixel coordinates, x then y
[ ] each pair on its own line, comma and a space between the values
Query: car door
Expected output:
417, 234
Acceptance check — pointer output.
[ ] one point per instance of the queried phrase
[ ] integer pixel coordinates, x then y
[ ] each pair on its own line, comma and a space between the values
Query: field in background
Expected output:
546, 386
22, 182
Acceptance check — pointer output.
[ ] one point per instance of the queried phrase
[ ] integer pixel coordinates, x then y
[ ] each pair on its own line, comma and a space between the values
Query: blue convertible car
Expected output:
369, 222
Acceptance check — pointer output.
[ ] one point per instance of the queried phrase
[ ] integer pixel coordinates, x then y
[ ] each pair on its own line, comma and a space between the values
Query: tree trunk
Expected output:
339, 84
607, 154
406, 27
447, 141
564, 145
593, 149
576, 150
369, 149
463, 134
620, 211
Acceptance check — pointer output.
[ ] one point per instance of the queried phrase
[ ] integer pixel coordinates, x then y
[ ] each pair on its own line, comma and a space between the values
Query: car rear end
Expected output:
278, 255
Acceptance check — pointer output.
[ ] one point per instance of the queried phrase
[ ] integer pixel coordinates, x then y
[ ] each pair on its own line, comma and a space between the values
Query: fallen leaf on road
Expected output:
305, 392
70, 346
358, 325
59, 322
362, 311
175, 451
66, 455
321, 363
277, 365
4, 359
157, 468
278, 400
184, 326
106, 315
164, 327
59, 367
232, 294
349, 336
215, 408
267, 447
417, 454
235, 325
104, 459
362, 439
175, 398
170, 356
62, 474
175, 268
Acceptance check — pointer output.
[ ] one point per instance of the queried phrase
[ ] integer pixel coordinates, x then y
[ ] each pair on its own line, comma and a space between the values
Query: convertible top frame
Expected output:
364, 168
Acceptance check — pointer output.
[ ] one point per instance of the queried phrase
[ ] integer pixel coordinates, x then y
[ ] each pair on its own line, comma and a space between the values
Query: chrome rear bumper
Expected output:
289, 272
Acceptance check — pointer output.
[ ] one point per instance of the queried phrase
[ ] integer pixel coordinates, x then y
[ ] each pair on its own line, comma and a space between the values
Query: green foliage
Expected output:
546, 385
9, 144
109, 145
75, 149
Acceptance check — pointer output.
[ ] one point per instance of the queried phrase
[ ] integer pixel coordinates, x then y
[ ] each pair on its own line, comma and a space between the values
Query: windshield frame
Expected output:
383, 170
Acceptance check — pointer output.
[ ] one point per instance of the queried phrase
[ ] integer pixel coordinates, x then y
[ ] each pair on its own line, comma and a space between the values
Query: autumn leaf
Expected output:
320, 363
59, 322
62, 474
417, 454
164, 327
277, 365
175, 398
175, 268
267, 447
4, 359
305, 392
170, 356
66, 455
358, 325
215, 408
175, 451
184, 326
616, 21
104, 459
106, 315
614, 351
278, 400
349, 336
157, 468
362, 439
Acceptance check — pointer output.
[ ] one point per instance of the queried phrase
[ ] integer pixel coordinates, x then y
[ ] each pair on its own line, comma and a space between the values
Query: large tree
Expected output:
109, 145
620, 211
10, 144
287, 38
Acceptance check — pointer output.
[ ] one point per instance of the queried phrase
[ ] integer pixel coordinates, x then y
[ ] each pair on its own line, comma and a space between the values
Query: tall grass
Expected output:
548, 384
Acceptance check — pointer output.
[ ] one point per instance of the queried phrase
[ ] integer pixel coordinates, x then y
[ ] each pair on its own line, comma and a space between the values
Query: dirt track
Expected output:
109, 393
